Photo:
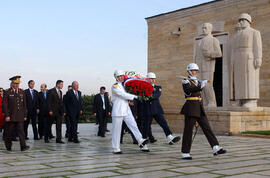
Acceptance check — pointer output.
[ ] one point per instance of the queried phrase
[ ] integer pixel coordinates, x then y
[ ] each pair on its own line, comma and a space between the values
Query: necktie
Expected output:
103, 100
59, 94
45, 95
31, 91
77, 96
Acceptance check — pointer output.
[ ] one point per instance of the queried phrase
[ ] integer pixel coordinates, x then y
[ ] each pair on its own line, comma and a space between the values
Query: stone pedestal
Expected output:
237, 119
226, 121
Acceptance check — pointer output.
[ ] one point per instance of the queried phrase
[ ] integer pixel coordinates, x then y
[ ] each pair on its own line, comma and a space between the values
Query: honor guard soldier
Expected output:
121, 112
153, 109
14, 107
194, 112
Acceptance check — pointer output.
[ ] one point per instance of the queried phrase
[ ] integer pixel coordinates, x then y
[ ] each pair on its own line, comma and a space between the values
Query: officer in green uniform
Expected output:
14, 109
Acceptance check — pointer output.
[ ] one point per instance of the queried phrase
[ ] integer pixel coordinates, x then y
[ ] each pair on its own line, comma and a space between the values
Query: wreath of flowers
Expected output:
138, 85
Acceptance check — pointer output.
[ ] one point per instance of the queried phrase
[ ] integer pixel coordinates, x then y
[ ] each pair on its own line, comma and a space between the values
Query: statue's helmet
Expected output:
245, 16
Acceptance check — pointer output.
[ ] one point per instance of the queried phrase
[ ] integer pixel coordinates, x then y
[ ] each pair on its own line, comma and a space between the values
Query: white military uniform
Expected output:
121, 112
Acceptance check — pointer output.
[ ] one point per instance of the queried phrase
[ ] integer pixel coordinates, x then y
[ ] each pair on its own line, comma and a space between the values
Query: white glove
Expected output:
203, 83
136, 97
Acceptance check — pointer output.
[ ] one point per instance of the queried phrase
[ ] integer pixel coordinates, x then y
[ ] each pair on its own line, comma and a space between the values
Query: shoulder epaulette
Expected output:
115, 85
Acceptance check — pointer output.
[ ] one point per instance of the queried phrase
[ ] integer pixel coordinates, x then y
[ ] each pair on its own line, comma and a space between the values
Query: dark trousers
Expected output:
33, 117
162, 123
58, 127
9, 133
187, 135
67, 120
41, 126
73, 127
102, 118
47, 126
147, 121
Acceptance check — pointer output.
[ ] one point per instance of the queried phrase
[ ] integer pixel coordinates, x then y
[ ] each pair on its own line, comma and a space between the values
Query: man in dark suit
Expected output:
15, 112
73, 103
153, 109
44, 120
101, 110
67, 120
32, 109
56, 108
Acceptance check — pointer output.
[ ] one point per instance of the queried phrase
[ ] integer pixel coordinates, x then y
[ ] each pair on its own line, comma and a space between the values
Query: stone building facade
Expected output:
171, 40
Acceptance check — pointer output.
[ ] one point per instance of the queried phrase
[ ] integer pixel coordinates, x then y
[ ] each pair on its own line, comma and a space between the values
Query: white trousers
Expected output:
117, 127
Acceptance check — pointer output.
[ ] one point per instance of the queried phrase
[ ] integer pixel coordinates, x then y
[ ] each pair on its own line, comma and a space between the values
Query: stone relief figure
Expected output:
246, 60
206, 51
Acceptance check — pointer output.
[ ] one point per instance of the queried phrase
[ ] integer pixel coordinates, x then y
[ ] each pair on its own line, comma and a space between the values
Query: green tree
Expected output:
87, 106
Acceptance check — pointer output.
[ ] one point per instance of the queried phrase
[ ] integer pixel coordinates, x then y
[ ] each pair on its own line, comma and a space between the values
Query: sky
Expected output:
82, 40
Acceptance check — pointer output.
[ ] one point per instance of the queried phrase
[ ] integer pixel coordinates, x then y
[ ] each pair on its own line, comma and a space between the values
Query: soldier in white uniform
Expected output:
121, 112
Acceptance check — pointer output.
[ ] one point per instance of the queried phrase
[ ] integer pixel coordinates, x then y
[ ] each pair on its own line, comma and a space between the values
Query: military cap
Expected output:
15, 79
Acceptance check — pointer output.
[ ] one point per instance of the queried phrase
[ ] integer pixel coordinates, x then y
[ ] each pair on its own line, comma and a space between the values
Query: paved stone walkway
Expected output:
247, 158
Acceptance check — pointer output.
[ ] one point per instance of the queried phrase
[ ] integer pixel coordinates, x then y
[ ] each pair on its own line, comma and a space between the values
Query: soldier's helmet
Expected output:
118, 73
151, 75
192, 66
245, 16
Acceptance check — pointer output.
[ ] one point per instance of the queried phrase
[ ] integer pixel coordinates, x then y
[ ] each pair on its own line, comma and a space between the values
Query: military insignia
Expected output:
21, 94
115, 85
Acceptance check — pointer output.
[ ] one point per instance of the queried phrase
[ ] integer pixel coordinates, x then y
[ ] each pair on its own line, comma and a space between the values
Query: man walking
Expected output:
15, 112
56, 108
32, 109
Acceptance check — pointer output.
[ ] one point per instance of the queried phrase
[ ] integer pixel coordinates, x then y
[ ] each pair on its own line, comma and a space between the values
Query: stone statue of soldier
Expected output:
246, 60
206, 51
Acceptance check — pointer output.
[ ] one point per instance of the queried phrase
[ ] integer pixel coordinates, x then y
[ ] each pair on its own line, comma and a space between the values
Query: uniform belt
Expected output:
194, 98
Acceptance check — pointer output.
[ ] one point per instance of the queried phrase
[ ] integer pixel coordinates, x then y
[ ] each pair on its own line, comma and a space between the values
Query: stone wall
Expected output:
168, 55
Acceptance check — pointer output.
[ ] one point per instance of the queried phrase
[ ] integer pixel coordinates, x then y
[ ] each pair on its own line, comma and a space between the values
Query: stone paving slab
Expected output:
246, 157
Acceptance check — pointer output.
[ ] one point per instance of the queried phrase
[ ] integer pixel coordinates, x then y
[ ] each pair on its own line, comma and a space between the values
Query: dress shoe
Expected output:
40, 137
66, 136
9, 149
173, 139
70, 140
26, 138
142, 142
117, 152
51, 136
14, 139
36, 138
60, 141
24, 148
76, 141
102, 135
145, 148
46, 141
221, 151
107, 130
186, 156
217, 150
153, 140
